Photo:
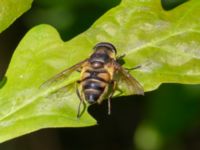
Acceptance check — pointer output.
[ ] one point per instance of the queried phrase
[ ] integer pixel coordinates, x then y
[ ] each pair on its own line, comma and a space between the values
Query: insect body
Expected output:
101, 75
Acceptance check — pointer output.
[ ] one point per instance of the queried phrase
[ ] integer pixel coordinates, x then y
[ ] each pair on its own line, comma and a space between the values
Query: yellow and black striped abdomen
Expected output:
94, 82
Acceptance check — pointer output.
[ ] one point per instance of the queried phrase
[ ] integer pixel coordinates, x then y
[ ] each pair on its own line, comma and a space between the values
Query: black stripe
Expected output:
96, 71
103, 57
94, 75
93, 85
95, 78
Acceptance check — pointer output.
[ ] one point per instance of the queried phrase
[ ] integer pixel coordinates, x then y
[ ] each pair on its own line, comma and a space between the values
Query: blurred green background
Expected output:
165, 119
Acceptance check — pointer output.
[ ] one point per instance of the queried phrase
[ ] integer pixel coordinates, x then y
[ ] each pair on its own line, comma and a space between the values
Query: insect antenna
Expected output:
136, 67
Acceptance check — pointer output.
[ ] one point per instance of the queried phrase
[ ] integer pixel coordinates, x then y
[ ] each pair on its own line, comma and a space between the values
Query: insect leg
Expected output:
121, 56
80, 113
121, 61
113, 84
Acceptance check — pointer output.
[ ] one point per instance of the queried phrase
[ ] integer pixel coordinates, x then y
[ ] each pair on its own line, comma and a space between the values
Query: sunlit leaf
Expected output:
165, 43
10, 10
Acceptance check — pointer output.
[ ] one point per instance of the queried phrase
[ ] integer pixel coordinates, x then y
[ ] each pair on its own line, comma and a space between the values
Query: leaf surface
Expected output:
165, 43
10, 10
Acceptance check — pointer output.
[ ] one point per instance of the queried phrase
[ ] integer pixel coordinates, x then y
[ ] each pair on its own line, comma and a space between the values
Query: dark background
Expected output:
165, 119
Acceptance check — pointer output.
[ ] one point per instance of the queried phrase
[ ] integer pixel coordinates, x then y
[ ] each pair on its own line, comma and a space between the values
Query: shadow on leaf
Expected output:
3, 81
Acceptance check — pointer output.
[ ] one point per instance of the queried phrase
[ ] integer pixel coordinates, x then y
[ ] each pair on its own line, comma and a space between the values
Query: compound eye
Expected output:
107, 45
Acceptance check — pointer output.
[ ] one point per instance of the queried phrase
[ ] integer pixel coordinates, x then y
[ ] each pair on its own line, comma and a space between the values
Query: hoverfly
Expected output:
100, 76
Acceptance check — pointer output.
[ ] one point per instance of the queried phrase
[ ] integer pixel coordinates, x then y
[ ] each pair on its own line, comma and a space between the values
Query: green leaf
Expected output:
165, 44
24, 106
10, 10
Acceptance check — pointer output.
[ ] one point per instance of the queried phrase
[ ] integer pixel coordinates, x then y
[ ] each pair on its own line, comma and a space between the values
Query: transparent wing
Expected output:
64, 97
127, 83
60, 77
62, 93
